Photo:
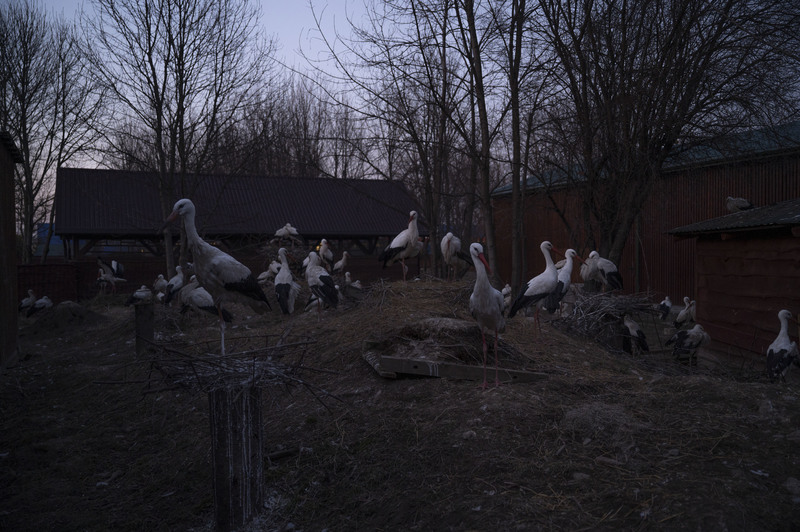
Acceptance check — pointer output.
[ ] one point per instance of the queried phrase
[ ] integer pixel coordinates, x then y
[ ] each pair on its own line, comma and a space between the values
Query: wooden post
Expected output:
9, 298
144, 326
236, 455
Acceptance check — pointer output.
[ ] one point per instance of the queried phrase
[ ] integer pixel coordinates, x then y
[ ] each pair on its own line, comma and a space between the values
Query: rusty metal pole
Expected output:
144, 326
236, 455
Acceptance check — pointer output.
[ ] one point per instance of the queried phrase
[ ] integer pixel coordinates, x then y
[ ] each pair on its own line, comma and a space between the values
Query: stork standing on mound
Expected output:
286, 288
403, 246
452, 254
553, 301
782, 352
597, 268
486, 306
633, 337
539, 287
320, 282
687, 315
28, 302
686, 343
225, 278
665, 307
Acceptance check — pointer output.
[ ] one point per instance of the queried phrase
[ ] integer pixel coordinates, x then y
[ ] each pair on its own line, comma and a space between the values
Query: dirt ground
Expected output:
93, 439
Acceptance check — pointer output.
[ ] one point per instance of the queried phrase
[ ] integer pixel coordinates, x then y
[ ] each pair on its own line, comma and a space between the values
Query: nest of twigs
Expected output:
598, 315
251, 361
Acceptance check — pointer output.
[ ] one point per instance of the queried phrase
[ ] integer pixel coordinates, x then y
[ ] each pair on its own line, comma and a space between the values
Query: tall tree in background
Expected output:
182, 73
47, 103
642, 76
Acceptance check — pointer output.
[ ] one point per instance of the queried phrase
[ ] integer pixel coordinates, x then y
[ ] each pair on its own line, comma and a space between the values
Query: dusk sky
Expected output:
291, 21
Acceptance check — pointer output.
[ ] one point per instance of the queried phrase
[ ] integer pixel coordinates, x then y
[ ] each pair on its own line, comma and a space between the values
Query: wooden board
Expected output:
415, 366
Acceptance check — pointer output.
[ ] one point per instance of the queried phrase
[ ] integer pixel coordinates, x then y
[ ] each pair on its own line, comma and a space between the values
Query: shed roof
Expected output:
783, 214
120, 204
744, 145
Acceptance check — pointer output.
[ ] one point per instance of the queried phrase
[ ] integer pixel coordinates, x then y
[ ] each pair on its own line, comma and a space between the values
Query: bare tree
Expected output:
46, 102
643, 76
181, 73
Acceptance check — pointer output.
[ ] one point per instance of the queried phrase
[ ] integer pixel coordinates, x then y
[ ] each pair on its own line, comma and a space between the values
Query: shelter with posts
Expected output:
747, 269
761, 165
118, 214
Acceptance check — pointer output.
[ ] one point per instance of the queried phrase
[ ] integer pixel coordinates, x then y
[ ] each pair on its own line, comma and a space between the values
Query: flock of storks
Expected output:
219, 278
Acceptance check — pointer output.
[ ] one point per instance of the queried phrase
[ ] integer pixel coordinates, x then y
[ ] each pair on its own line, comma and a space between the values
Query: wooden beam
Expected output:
415, 366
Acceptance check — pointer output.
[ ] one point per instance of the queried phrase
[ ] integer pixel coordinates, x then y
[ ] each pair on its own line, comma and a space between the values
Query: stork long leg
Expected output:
496, 365
221, 330
483, 339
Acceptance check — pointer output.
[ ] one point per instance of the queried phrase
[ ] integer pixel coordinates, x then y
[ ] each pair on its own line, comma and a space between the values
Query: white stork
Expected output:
28, 302
452, 254
782, 352
160, 284
539, 287
320, 282
686, 315
486, 306
349, 283
325, 254
105, 278
597, 268
139, 295
174, 285
264, 278
114, 269
665, 307
403, 246
194, 296
341, 264
287, 231
687, 342
633, 337
225, 278
737, 204
40, 304
553, 301
506, 291
286, 289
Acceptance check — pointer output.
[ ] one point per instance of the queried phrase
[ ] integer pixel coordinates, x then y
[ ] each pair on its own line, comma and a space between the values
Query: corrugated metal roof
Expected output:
783, 214
749, 144
126, 204
743, 145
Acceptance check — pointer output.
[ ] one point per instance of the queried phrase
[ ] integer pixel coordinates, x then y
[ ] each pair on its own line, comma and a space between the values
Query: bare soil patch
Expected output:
90, 441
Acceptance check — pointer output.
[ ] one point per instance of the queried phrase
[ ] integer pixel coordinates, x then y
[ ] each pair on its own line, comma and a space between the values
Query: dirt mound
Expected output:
93, 439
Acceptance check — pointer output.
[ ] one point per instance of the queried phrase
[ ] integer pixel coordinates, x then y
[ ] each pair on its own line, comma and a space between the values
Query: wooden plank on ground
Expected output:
415, 366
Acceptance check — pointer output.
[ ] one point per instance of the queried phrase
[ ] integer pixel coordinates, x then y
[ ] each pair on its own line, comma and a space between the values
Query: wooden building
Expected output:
9, 293
763, 166
116, 214
747, 269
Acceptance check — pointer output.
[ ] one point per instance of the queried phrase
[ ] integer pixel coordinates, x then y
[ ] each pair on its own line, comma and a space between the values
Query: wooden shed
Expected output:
747, 269
760, 165
116, 214
9, 296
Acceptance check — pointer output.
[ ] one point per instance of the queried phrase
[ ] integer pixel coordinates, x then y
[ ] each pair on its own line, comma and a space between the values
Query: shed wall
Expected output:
659, 262
742, 283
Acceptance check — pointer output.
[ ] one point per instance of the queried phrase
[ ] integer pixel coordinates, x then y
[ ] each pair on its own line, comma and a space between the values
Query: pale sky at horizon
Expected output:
290, 21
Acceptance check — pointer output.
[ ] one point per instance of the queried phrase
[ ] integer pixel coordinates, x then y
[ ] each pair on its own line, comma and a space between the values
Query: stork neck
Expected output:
548, 259
191, 229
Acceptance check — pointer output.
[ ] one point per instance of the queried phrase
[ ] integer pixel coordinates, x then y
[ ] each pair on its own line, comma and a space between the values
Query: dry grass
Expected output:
95, 439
